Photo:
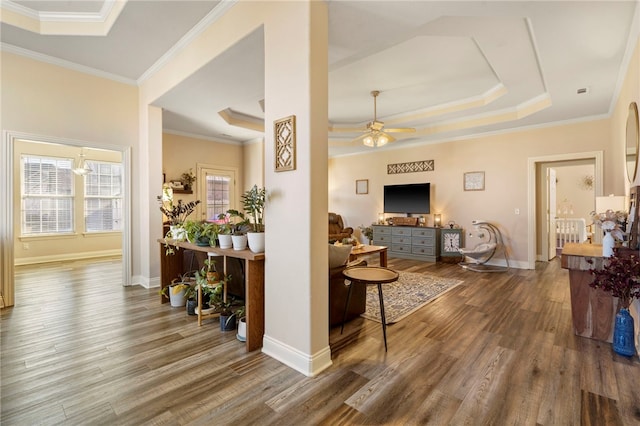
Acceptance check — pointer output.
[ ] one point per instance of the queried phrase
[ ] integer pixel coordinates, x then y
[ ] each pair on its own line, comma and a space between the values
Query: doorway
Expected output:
9, 217
538, 232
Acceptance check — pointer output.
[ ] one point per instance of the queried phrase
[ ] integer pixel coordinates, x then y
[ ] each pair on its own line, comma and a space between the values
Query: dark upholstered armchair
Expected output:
337, 231
338, 291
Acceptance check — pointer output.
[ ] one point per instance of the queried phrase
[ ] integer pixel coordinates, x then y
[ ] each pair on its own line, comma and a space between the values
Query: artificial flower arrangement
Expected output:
611, 221
620, 276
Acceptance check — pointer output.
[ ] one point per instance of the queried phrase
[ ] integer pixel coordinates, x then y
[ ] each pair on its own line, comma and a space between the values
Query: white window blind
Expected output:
217, 195
47, 195
103, 197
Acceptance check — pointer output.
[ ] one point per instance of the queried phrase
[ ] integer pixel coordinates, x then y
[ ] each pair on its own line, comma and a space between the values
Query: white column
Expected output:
296, 267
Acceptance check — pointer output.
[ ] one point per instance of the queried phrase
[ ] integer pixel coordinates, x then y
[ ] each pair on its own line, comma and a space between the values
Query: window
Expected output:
47, 195
217, 195
103, 197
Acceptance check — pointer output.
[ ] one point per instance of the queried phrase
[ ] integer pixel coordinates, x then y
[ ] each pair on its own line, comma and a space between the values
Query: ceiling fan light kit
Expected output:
374, 136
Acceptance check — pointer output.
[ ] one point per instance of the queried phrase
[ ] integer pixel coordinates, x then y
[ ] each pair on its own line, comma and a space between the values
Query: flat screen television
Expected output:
407, 198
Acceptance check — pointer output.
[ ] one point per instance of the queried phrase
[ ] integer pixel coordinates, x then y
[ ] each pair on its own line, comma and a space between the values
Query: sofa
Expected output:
337, 230
338, 289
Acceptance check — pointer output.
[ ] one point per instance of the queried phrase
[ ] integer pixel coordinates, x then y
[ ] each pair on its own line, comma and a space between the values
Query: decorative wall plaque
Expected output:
413, 167
284, 135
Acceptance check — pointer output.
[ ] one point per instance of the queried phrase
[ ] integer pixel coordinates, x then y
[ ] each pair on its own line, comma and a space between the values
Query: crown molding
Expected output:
63, 23
218, 139
189, 37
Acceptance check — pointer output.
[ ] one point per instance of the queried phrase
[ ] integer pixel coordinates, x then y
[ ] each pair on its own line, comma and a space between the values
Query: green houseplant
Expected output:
239, 227
253, 202
176, 215
179, 291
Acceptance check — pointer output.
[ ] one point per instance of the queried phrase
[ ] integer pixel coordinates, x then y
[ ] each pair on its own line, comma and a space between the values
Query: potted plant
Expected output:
176, 215
253, 202
187, 179
178, 291
241, 315
620, 276
239, 229
201, 233
367, 232
224, 231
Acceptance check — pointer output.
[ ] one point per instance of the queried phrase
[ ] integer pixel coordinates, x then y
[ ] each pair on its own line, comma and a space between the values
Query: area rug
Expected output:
405, 296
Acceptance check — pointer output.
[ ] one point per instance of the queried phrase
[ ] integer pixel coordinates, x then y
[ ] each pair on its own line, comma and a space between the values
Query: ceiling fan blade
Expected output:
401, 130
391, 138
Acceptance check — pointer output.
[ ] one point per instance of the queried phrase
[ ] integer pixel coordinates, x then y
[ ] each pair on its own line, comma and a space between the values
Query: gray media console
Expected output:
409, 242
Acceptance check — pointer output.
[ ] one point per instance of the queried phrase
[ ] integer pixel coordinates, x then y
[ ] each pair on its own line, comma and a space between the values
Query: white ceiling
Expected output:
449, 69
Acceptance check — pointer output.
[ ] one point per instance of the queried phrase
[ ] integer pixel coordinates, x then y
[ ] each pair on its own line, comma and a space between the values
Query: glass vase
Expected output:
623, 335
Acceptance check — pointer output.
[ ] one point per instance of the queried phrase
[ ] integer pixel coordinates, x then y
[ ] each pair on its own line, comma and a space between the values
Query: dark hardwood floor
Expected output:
78, 348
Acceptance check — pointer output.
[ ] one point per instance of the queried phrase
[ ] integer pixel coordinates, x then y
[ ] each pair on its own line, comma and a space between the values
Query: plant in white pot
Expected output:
224, 231
253, 202
239, 229
178, 291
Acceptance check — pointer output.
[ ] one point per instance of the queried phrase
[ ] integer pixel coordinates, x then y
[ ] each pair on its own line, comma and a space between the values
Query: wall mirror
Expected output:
631, 148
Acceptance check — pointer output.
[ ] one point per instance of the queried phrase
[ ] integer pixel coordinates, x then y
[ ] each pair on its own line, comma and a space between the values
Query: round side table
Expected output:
370, 275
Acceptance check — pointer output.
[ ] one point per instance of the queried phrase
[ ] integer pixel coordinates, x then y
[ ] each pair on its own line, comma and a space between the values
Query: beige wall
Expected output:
503, 158
181, 153
253, 167
37, 249
49, 102
45, 99
630, 92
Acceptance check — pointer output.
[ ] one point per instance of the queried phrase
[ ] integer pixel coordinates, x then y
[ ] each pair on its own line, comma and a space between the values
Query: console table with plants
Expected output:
172, 266
409, 242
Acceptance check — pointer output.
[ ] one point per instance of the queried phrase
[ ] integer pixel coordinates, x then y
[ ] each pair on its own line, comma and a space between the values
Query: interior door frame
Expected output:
532, 190
551, 216
7, 258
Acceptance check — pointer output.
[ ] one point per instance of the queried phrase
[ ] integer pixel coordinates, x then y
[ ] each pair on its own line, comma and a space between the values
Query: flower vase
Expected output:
623, 337
608, 242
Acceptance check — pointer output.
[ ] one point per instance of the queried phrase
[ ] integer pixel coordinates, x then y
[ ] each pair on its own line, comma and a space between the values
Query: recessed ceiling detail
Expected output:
451, 70
66, 18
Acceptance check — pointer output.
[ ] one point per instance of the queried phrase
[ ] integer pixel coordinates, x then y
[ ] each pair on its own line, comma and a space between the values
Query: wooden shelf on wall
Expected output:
182, 191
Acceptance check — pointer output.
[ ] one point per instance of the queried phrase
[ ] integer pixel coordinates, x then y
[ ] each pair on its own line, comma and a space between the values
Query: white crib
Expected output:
570, 231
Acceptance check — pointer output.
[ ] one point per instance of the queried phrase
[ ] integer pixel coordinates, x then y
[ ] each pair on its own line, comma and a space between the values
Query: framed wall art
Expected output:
362, 186
474, 181
284, 136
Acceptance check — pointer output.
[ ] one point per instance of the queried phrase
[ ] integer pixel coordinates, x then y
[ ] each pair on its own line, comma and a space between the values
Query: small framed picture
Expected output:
362, 186
474, 181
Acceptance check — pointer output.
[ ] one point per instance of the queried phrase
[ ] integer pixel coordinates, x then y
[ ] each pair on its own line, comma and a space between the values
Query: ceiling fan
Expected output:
375, 134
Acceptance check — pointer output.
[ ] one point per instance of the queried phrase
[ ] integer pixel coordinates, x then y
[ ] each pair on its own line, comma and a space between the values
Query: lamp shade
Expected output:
610, 202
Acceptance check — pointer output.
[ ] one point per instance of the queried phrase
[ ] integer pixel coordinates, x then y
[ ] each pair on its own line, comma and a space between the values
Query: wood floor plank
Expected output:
497, 349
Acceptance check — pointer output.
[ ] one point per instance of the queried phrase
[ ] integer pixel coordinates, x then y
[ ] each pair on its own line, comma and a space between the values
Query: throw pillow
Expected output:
338, 255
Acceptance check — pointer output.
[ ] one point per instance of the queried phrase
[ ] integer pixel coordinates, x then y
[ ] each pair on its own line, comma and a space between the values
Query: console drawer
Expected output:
423, 250
382, 230
401, 248
381, 240
423, 241
401, 239
398, 230
424, 232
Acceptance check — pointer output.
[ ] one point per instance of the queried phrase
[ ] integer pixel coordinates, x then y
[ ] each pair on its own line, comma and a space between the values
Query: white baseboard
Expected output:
67, 257
145, 281
309, 365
